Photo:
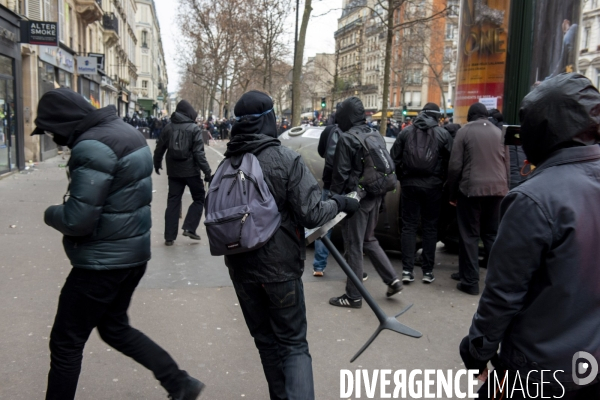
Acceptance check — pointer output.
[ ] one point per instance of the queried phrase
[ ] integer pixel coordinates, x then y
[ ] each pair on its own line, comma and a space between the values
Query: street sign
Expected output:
39, 32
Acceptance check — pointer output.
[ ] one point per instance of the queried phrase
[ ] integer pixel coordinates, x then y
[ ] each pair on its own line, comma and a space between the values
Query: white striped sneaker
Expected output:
345, 301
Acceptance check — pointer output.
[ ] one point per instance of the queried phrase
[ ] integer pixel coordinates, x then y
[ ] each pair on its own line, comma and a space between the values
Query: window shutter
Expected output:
34, 10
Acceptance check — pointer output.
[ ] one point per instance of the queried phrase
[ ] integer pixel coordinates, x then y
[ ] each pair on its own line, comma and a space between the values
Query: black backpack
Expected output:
379, 173
180, 144
420, 152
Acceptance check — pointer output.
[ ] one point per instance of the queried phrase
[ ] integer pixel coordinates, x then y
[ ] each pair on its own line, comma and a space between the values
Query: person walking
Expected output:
268, 280
358, 231
478, 175
421, 153
182, 141
105, 221
541, 303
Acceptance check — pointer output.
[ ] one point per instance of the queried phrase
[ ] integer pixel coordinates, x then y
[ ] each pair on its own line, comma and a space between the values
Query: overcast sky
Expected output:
319, 38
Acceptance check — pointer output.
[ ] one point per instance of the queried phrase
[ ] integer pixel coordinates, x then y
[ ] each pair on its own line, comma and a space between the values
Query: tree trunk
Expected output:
387, 67
296, 89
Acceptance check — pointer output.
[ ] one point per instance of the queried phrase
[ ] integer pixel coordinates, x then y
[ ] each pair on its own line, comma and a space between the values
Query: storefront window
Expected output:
8, 137
64, 79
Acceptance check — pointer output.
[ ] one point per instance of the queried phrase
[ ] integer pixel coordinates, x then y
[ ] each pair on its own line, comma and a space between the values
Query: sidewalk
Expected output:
187, 304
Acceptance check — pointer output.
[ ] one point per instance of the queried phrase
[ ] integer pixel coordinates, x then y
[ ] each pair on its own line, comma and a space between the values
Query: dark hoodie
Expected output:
183, 125
421, 124
292, 185
348, 165
106, 219
561, 112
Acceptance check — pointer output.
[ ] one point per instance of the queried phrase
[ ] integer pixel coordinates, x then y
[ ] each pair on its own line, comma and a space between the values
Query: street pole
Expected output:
296, 43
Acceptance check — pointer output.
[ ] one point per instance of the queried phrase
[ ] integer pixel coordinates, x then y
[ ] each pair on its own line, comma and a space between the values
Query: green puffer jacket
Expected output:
106, 220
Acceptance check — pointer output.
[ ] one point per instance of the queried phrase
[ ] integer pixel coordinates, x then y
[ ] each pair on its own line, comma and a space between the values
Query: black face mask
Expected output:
60, 140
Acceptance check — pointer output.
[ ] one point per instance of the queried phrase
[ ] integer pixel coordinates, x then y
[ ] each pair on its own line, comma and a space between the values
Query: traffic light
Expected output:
404, 110
323, 102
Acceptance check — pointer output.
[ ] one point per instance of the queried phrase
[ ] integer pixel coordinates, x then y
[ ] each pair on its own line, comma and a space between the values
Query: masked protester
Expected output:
106, 226
541, 303
268, 281
182, 141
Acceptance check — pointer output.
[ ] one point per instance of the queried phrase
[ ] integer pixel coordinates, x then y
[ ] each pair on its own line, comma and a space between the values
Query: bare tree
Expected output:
299, 55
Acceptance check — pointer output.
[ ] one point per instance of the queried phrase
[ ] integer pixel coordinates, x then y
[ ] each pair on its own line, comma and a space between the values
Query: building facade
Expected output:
589, 42
152, 72
106, 30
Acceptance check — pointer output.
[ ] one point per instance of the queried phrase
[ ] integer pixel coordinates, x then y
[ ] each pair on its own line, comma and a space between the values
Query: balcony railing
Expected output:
110, 22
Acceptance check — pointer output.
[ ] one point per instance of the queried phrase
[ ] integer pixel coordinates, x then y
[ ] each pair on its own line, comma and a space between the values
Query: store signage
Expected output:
87, 65
99, 60
57, 57
39, 32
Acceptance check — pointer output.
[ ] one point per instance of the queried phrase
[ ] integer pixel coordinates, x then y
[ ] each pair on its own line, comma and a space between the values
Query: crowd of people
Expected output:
540, 304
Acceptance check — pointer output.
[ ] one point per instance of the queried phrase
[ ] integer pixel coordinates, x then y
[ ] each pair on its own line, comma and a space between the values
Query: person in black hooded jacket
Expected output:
182, 140
268, 281
359, 230
106, 223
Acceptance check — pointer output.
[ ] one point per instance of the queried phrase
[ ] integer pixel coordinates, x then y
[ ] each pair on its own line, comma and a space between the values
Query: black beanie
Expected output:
477, 111
254, 115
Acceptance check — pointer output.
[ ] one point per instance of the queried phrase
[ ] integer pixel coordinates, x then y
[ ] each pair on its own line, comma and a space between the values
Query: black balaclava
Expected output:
59, 112
254, 115
433, 110
185, 108
477, 111
563, 111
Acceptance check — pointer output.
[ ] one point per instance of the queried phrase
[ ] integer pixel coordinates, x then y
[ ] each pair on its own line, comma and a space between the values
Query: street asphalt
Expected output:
187, 304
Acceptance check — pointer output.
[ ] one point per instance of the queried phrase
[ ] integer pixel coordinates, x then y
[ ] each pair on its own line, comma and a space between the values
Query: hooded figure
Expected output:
541, 302
106, 222
182, 141
268, 280
561, 112
421, 190
477, 111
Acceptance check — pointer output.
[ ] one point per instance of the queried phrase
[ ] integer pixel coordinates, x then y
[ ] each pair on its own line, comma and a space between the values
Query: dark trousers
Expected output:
420, 205
478, 217
91, 299
514, 383
192, 218
276, 317
358, 233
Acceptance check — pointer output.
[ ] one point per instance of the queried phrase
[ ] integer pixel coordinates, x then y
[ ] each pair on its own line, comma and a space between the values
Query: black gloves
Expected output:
208, 178
156, 169
346, 204
470, 361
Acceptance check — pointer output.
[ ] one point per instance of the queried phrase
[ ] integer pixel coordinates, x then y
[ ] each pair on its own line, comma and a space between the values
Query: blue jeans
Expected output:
321, 252
275, 314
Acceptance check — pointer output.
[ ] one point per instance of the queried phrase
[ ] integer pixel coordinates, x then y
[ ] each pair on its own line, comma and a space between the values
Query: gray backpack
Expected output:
241, 213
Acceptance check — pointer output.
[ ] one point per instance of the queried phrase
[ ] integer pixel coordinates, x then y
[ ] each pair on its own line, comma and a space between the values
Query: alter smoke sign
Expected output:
39, 32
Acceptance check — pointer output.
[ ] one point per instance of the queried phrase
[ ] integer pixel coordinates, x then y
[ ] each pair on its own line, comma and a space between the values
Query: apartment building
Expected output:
106, 30
589, 42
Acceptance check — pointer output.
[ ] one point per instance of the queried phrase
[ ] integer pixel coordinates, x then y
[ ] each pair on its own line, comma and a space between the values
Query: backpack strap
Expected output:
360, 139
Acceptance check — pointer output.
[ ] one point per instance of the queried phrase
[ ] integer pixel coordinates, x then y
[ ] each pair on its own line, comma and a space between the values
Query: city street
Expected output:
187, 304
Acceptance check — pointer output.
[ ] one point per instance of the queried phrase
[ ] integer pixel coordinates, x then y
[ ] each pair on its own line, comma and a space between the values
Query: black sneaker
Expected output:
190, 390
191, 235
407, 277
455, 276
365, 276
345, 301
394, 287
428, 277
169, 242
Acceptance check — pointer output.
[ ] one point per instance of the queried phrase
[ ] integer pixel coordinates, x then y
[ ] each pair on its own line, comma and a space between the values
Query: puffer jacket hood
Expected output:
250, 143
61, 111
351, 113
425, 121
562, 111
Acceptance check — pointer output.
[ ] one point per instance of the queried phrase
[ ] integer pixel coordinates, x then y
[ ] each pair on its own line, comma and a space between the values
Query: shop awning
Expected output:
378, 115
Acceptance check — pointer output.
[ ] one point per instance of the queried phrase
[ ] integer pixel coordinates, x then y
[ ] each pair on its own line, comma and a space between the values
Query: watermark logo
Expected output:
584, 364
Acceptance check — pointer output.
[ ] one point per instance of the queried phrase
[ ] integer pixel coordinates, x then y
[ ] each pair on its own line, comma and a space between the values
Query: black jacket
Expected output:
517, 161
349, 151
541, 301
327, 145
182, 168
298, 198
444, 139
106, 220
